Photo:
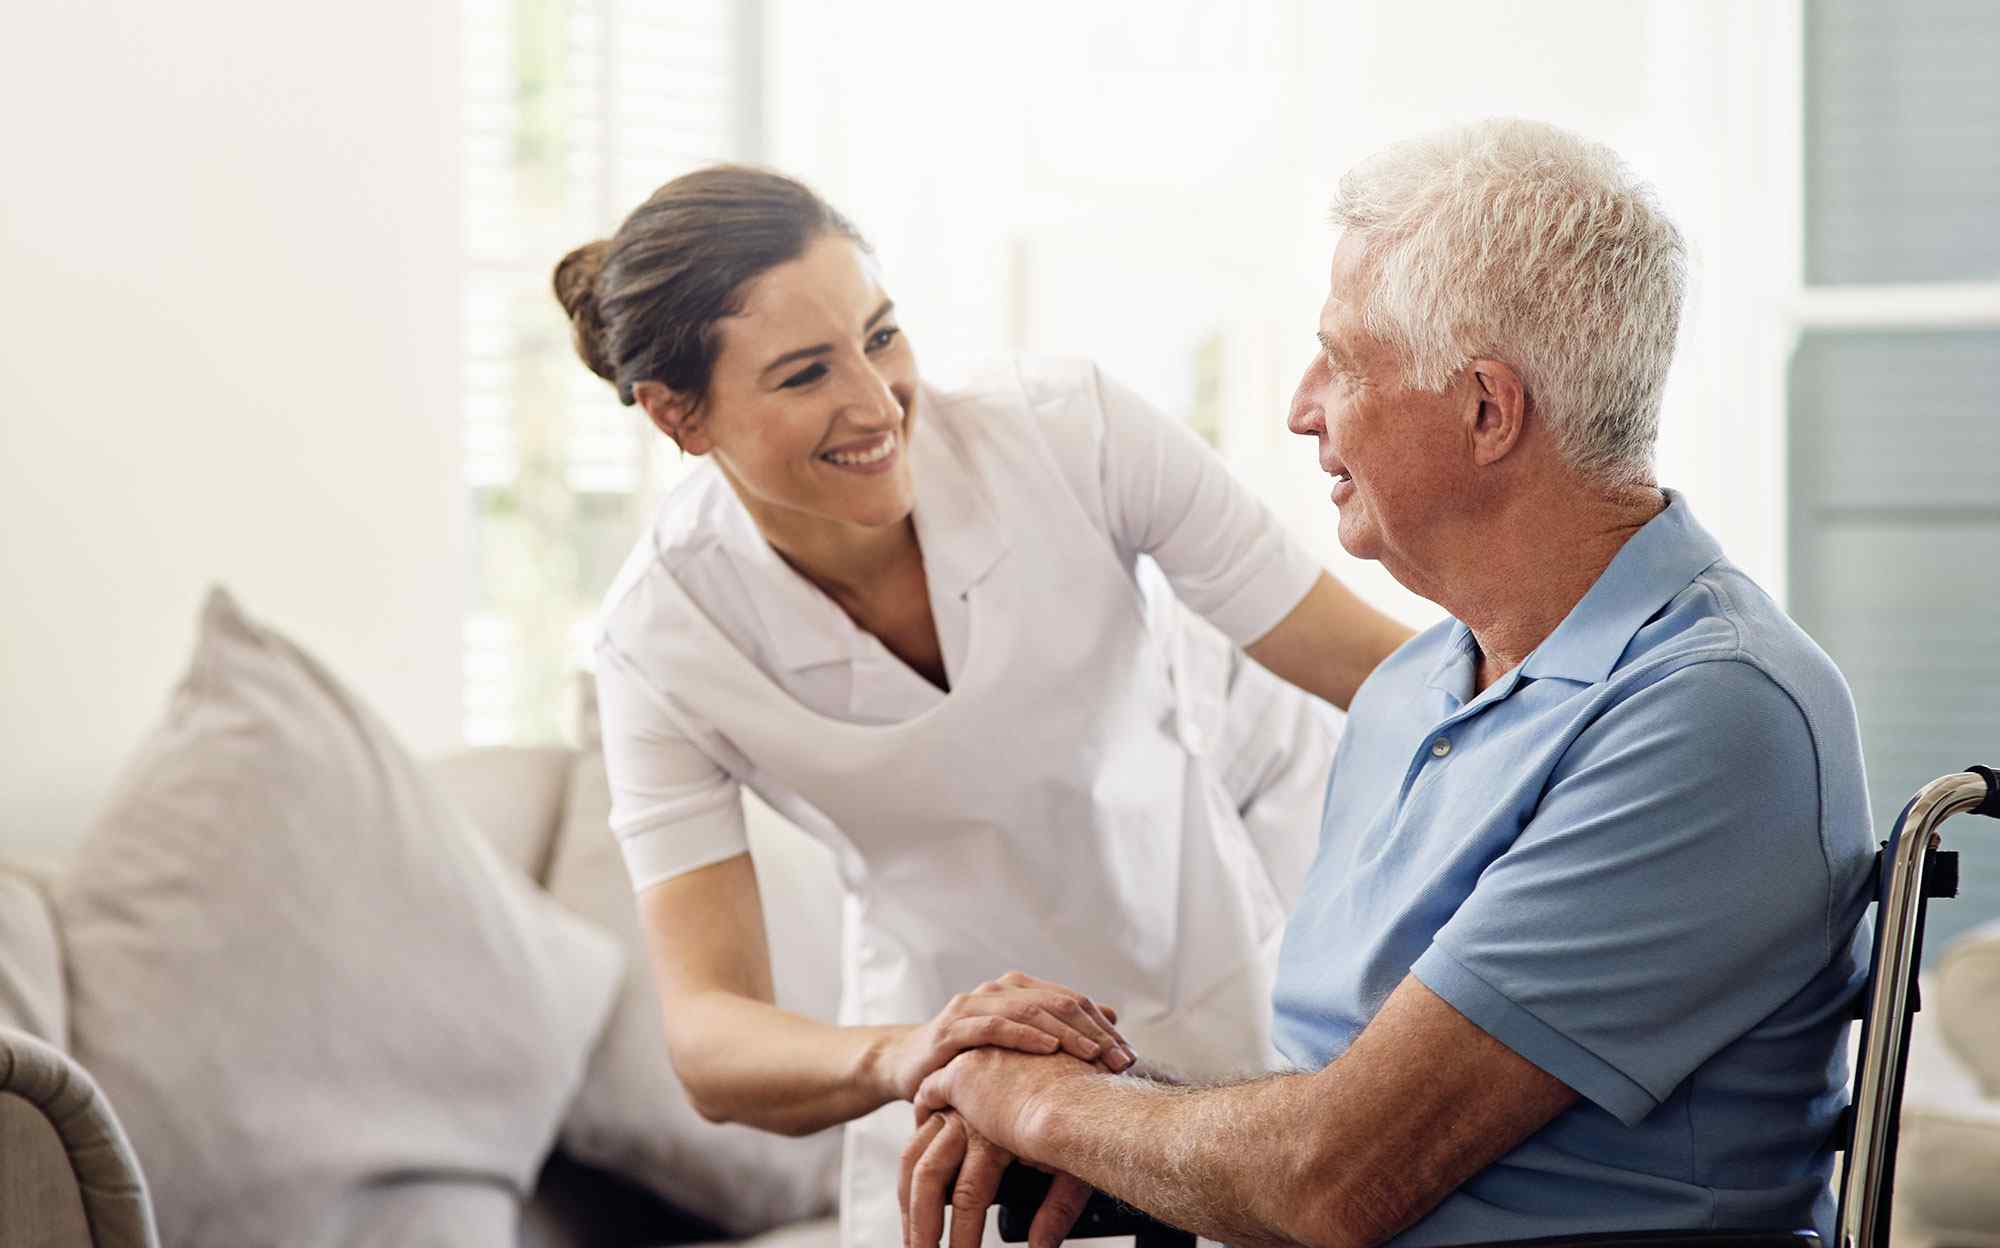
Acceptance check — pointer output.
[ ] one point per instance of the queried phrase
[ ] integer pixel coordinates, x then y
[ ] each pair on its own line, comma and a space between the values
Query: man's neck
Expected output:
1533, 562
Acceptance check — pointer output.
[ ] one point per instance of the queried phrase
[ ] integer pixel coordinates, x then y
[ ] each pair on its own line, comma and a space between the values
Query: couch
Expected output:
188, 1055
71, 1175
69, 1178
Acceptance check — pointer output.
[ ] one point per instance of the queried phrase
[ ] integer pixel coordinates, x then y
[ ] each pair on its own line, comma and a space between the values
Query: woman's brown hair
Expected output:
644, 303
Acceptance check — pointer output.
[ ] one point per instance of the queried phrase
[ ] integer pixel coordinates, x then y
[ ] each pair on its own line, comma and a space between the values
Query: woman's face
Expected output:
809, 406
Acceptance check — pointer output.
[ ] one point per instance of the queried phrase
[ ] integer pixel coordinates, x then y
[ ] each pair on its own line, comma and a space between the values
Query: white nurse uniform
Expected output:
1110, 796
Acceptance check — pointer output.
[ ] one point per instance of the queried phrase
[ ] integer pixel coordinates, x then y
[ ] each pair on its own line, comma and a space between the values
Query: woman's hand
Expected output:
1015, 1011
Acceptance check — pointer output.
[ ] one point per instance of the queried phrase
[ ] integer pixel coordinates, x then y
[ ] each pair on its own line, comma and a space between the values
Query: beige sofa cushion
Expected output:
1950, 1142
514, 795
303, 980
31, 975
1945, 1166
1968, 1002
631, 1116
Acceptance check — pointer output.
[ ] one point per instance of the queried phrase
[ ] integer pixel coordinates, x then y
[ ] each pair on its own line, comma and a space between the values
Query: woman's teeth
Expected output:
875, 455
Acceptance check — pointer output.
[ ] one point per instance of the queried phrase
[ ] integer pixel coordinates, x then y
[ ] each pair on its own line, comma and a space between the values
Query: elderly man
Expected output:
1577, 950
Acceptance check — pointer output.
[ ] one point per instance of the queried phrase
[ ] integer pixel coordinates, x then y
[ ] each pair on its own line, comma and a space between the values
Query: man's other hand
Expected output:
948, 1164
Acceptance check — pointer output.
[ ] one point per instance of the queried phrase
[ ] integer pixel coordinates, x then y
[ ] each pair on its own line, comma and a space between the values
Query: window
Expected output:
574, 111
1893, 445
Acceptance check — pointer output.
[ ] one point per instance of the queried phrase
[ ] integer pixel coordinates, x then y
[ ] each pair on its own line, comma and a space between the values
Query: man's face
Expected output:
1396, 455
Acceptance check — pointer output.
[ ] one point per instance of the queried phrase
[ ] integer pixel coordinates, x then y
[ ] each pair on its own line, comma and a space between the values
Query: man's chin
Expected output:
1357, 540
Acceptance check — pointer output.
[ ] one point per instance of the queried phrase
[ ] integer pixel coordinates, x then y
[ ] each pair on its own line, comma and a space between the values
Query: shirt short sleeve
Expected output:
673, 808
1670, 892
1169, 495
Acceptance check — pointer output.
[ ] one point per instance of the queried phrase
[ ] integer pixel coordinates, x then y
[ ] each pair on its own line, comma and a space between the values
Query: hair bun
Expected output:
576, 289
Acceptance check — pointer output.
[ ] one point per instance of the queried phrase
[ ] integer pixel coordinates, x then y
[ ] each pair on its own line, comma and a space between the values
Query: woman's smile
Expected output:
872, 455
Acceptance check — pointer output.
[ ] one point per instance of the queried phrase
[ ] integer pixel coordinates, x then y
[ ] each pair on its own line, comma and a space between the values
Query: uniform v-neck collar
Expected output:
957, 529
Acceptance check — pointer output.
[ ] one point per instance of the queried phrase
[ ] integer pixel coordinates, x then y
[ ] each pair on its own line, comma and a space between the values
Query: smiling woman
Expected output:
917, 622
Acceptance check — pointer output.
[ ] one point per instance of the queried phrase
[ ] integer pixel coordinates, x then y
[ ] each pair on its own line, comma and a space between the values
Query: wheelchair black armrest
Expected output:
1667, 1239
1022, 1190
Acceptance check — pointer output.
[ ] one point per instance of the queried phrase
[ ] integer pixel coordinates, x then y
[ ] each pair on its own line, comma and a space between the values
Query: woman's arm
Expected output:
678, 817
742, 1059
1329, 643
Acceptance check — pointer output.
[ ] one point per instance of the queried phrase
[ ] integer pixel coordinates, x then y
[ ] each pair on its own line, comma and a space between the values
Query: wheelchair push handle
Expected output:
1991, 806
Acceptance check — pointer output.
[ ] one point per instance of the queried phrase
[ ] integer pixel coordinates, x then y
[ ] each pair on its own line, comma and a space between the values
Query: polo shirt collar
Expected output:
1656, 563
961, 537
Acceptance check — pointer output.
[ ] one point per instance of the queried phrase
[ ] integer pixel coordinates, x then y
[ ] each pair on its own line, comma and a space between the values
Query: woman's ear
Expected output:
674, 414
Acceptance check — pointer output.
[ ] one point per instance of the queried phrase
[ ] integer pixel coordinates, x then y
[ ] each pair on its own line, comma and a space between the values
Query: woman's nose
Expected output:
870, 400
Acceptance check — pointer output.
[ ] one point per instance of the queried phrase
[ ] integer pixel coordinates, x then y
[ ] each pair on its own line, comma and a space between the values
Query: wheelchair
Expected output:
1910, 869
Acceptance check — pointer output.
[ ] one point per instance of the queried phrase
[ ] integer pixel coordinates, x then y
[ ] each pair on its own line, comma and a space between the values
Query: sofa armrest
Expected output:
71, 1177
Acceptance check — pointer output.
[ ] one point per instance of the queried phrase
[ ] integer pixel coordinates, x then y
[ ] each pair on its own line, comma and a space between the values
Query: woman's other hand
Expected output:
1015, 1011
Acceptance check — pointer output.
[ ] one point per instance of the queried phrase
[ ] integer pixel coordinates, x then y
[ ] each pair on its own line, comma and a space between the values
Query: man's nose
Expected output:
1308, 413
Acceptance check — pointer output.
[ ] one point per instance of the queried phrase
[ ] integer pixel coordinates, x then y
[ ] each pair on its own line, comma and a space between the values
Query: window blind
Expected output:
573, 112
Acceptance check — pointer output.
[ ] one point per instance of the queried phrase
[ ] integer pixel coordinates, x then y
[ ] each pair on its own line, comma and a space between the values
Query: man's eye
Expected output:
804, 377
882, 337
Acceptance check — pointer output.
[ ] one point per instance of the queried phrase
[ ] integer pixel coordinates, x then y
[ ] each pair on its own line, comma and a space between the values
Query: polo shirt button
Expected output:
1440, 747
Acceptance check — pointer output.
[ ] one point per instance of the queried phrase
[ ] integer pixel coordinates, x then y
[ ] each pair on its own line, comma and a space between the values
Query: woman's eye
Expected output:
804, 377
883, 337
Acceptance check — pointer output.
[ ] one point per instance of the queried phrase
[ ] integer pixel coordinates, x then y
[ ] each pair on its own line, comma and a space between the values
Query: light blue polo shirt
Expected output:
1641, 861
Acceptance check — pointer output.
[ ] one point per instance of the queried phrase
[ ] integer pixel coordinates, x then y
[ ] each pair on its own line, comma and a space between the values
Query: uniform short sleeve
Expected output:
673, 808
1669, 893
1168, 495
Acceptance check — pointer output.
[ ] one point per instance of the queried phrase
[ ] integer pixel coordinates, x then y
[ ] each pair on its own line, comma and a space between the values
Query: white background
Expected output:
230, 266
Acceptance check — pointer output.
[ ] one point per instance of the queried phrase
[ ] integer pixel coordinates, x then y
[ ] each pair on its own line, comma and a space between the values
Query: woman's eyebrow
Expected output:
793, 357
807, 353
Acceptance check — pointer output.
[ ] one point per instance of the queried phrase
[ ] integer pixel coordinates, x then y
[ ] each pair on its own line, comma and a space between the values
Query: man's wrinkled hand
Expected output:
949, 1165
1000, 1094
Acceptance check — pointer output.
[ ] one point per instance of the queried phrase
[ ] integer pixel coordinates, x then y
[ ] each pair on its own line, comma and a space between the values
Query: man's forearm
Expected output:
1242, 1163
1342, 1158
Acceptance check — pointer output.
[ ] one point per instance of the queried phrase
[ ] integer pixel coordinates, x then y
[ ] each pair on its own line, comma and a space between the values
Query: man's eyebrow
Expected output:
1326, 345
807, 353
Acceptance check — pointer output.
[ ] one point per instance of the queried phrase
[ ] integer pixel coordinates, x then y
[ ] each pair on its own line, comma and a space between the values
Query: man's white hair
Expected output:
1517, 241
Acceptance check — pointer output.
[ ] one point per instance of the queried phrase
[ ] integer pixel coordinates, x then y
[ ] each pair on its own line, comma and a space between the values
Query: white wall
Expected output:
229, 283
1128, 180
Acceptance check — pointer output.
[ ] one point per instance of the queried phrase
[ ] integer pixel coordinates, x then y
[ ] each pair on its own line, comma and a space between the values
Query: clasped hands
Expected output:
978, 1105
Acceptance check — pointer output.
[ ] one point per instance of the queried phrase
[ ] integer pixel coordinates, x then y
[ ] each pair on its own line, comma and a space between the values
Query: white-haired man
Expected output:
1577, 948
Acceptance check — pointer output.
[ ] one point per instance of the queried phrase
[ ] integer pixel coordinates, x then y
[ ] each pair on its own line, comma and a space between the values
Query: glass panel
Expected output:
1895, 515
1896, 419
1902, 159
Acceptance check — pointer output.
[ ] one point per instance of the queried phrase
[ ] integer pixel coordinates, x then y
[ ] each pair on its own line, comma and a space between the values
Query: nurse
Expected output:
929, 626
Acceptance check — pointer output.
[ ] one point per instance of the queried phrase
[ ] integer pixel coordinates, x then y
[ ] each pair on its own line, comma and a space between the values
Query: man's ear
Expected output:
1500, 410
674, 414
